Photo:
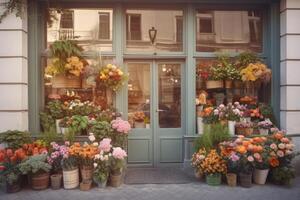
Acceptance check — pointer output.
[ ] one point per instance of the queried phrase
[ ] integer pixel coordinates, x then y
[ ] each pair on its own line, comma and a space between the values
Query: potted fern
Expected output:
38, 170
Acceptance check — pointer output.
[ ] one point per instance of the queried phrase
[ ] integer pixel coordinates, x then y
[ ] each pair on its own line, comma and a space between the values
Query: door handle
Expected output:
159, 110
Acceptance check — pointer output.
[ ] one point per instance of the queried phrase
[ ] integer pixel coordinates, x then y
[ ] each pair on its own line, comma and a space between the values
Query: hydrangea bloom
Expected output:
105, 145
121, 125
119, 153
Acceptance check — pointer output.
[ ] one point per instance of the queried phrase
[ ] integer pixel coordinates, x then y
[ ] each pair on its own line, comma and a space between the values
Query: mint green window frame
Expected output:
36, 43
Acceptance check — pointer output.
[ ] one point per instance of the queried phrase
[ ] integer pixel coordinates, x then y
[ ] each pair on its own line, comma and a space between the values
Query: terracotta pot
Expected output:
40, 181
115, 180
86, 185
213, 179
56, 180
86, 172
260, 176
211, 84
231, 179
228, 84
245, 180
71, 178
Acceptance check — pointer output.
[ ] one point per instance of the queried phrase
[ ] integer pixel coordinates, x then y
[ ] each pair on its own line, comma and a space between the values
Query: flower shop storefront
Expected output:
163, 66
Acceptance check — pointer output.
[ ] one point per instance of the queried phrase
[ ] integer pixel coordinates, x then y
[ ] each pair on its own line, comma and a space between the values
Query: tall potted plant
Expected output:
117, 166
56, 110
38, 170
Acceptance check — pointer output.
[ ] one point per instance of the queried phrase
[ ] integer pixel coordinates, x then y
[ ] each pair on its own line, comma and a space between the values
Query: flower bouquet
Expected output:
197, 159
121, 129
112, 77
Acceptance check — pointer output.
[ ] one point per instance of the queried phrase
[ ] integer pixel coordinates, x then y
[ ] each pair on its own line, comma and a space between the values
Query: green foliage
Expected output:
245, 58
12, 6
69, 163
78, 123
212, 135
64, 49
101, 129
15, 139
101, 172
55, 109
266, 110
10, 174
47, 121
35, 164
50, 136
69, 136
283, 175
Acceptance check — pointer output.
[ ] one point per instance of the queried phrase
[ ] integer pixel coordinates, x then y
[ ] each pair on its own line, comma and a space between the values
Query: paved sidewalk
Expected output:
190, 191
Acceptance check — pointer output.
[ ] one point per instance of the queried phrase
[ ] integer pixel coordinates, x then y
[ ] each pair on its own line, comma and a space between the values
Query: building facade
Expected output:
162, 73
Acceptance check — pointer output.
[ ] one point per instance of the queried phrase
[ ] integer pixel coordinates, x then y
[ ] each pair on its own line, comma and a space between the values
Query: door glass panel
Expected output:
164, 26
139, 92
230, 31
169, 95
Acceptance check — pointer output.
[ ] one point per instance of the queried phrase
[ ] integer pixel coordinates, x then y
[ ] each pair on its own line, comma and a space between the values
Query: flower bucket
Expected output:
115, 180
56, 181
231, 127
71, 178
260, 176
86, 172
245, 180
213, 179
40, 181
62, 81
58, 129
14, 187
244, 131
200, 125
263, 131
211, 84
228, 84
231, 179
86, 185
139, 124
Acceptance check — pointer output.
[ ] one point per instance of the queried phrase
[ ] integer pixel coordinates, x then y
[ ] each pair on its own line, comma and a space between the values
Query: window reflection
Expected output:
92, 28
234, 31
167, 23
139, 95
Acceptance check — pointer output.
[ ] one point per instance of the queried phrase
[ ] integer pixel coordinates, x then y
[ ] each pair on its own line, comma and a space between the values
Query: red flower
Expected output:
2, 168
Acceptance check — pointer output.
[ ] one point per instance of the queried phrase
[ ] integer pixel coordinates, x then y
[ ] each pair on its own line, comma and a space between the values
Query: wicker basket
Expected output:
62, 81
71, 178
40, 181
86, 173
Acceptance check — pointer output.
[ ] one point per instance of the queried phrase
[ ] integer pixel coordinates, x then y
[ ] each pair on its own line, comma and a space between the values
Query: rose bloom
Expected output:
285, 140
281, 146
280, 153
257, 156
273, 146
250, 158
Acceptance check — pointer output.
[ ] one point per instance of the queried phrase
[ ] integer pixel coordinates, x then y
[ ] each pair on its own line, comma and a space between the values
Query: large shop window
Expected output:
233, 31
92, 28
154, 30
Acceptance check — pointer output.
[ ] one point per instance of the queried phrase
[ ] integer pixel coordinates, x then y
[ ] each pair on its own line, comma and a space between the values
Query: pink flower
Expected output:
67, 143
105, 145
285, 140
234, 157
250, 158
280, 153
257, 156
119, 153
121, 126
273, 146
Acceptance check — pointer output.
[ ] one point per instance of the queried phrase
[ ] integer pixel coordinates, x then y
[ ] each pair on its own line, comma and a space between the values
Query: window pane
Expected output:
139, 95
166, 34
92, 28
231, 31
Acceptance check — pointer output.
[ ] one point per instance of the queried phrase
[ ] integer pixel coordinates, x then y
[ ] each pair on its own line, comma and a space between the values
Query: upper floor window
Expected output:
154, 30
91, 28
231, 31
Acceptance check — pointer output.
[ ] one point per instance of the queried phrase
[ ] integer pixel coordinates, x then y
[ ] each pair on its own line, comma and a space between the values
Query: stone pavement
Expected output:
190, 191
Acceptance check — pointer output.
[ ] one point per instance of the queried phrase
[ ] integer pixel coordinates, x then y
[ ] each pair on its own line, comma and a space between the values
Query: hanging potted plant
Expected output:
70, 167
233, 114
261, 161
264, 127
197, 159
38, 170
213, 166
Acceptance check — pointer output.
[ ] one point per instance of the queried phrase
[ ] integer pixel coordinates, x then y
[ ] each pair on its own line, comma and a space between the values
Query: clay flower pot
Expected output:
231, 179
86, 172
40, 181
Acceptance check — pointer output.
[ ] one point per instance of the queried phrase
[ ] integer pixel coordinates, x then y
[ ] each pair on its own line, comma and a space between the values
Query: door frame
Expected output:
155, 137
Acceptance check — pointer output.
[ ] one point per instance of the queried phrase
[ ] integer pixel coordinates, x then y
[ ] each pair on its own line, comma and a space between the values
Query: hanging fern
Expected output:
12, 6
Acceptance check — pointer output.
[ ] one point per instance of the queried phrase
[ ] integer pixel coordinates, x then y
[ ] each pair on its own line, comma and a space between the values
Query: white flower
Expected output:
95, 165
109, 154
97, 156
281, 146
95, 144
105, 157
92, 138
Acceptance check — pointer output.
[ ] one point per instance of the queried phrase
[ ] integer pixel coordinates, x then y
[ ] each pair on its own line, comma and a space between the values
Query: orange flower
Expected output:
274, 162
241, 149
278, 136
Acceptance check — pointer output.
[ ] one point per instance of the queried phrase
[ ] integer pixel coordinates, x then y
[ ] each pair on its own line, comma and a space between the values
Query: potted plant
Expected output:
139, 118
64, 123
264, 127
261, 161
101, 163
213, 166
69, 165
117, 164
55, 157
100, 129
197, 159
38, 170
14, 139
56, 110
244, 128
233, 114
121, 129
78, 124
215, 78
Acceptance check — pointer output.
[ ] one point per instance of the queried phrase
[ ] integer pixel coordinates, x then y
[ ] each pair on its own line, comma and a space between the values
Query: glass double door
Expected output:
156, 112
